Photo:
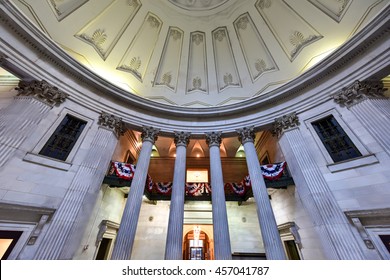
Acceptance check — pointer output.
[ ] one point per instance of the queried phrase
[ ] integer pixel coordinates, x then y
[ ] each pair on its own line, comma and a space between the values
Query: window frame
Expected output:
52, 150
342, 154
34, 155
365, 158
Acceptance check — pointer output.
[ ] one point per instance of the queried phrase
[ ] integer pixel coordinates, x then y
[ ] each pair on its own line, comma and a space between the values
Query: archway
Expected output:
196, 243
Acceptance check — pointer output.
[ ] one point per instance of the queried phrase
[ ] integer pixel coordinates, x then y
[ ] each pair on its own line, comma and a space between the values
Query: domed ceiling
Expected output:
199, 53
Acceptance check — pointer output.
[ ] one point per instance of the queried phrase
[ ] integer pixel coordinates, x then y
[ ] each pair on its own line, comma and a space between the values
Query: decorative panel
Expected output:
257, 57
197, 64
197, 4
293, 32
225, 65
137, 56
63, 8
168, 68
103, 32
333, 8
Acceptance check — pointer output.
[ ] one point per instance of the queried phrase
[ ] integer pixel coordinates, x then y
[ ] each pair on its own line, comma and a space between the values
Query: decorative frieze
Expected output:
213, 139
285, 122
43, 91
149, 134
112, 122
359, 91
246, 134
182, 138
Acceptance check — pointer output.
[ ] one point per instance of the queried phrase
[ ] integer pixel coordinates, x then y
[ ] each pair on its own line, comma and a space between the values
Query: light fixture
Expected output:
240, 152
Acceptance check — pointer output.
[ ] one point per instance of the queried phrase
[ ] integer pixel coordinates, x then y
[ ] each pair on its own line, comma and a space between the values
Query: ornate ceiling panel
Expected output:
200, 53
168, 69
137, 57
258, 58
197, 64
197, 4
225, 65
103, 32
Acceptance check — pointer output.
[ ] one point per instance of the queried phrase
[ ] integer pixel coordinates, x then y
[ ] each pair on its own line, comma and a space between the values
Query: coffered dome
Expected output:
200, 53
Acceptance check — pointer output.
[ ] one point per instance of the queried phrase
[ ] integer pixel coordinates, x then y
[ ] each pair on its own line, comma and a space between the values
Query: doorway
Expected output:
197, 245
8, 240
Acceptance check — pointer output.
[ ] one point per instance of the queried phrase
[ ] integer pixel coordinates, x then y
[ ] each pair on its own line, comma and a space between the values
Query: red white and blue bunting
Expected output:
197, 189
239, 189
123, 170
270, 172
273, 171
164, 188
149, 183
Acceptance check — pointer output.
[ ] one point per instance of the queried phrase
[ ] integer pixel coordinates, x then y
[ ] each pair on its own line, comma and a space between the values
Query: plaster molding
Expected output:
182, 138
359, 91
285, 122
112, 122
42, 91
246, 134
213, 139
314, 87
149, 134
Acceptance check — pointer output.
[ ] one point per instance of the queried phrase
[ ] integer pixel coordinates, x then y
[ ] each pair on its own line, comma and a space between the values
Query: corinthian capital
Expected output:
43, 91
359, 91
182, 138
285, 122
149, 134
246, 134
112, 122
213, 139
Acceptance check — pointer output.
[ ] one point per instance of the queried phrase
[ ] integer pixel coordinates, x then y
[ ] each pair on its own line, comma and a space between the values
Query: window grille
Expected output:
336, 141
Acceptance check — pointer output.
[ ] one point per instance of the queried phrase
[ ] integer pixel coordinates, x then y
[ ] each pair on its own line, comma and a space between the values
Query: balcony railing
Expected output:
275, 176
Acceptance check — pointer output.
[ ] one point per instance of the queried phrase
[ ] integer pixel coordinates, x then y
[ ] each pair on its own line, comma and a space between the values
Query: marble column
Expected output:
332, 225
222, 248
128, 226
269, 231
85, 184
174, 244
368, 103
32, 103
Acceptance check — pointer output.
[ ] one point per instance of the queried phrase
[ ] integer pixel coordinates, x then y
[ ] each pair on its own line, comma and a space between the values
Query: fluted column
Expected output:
368, 103
174, 244
128, 226
32, 103
222, 249
85, 184
332, 225
269, 231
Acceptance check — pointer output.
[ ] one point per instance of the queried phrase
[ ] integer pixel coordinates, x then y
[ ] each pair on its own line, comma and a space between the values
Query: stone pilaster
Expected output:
30, 106
269, 231
368, 103
128, 226
174, 244
81, 195
222, 248
332, 225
